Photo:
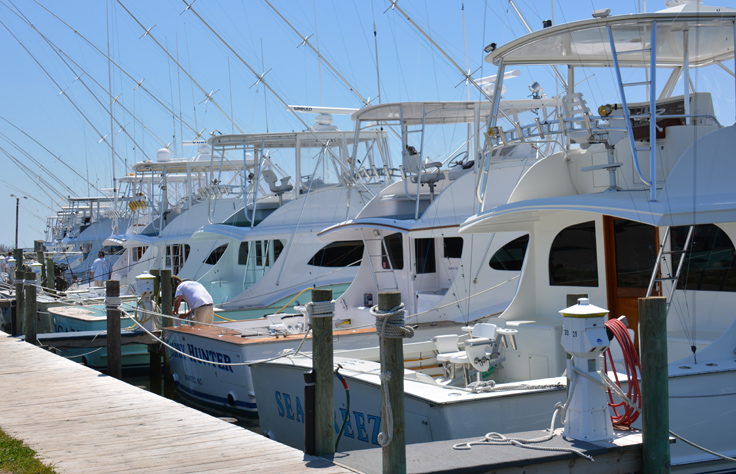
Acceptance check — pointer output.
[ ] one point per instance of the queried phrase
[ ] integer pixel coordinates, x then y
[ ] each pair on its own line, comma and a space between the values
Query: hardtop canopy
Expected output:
438, 113
586, 43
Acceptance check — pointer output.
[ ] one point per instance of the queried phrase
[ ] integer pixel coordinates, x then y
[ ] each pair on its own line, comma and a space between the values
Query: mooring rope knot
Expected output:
390, 324
320, 309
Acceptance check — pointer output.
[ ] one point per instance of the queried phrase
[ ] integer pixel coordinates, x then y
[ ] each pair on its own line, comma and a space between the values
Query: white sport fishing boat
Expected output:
183, 195
410, 232
273, 259
429, 202
89, 221
596, 215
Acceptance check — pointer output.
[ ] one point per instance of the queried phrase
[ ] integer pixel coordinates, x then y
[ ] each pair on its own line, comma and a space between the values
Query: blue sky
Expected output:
409, 69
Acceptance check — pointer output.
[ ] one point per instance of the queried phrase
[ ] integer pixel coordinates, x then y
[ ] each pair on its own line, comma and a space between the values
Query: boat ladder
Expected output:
658, 274
385, 278
651, 182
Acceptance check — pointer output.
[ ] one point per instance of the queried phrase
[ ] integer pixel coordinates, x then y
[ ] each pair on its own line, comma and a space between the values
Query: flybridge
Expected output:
321, 110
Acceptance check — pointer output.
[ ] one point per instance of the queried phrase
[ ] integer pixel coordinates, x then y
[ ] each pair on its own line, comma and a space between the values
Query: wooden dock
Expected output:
79, 420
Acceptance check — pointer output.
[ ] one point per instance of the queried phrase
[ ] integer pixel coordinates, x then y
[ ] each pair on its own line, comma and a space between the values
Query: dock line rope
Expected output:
497, 439
390, 324
284, 353
320, 309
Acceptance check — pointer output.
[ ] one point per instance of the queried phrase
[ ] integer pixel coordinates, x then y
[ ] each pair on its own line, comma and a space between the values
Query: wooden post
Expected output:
654, 384
50, 273
18, 256
154, 360
156, 286
167, 296
40, 258
29, 300
324, 432
19, 289
19, 276
112, 301
392, 364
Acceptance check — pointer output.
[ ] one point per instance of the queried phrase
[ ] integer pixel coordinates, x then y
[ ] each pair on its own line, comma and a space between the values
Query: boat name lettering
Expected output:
361, 426
208, 355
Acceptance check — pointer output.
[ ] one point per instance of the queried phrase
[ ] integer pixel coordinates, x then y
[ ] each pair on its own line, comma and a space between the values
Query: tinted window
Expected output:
243, 253
392, 255
259, 252
424, 251
138, 252
453, 247
278, 246
338, 254
511, 255
215, 255
710, 263
572, 258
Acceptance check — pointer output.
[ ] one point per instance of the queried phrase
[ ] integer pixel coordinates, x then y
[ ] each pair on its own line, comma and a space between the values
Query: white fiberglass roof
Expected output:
189, 166
309, 138
443, 112
586, 43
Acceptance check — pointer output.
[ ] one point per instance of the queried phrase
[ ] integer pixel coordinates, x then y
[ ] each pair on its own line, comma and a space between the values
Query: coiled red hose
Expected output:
624, 414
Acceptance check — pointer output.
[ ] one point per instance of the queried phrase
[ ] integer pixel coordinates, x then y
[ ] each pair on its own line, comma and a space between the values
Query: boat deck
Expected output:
79, 420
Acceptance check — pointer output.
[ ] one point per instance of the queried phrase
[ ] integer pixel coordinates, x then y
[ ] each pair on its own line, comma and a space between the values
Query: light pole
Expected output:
17, 208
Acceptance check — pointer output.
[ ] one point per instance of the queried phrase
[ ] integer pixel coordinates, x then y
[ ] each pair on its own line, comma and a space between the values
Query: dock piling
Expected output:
40, 258
321, 316
50, 274
19, 307
30, 315
654, 384
112, 302
392, 375
167, 297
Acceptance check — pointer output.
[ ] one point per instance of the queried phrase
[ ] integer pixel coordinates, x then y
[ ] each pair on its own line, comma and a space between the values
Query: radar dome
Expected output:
163, 155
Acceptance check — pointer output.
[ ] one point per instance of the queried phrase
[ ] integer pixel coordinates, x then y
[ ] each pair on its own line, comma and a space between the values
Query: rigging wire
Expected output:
62, 91
316, 51
138, 82
79, 77
30, 157
208, 96
55, 156
261, 78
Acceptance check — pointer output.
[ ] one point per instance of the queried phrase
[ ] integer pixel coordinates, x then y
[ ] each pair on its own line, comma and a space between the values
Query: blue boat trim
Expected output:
248, 406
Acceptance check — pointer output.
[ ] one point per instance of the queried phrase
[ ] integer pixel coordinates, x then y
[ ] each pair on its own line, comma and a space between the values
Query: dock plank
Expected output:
79, 420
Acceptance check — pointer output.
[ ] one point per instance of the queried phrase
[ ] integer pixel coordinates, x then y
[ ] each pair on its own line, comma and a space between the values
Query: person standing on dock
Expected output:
100, 270
198, 300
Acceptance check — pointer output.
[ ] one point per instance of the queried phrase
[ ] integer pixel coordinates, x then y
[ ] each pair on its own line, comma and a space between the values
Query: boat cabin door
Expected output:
630, 256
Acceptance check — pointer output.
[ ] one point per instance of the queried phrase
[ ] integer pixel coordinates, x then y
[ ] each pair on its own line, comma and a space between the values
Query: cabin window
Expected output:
510, 257
424, 251
278, 246
215, 255
573, 258
392, 252
262, 257
710, 265
344, 253
453, 247
243, 253
261, 249
176, 255
138, 252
